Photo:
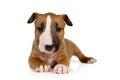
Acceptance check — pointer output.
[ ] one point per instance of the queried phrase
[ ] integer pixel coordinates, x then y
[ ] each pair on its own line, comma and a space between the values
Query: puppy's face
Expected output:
49, 30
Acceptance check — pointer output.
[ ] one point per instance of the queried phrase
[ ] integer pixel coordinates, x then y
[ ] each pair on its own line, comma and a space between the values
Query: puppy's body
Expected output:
50, 49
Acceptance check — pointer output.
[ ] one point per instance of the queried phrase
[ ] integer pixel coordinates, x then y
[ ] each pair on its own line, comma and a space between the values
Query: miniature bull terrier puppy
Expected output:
50, 50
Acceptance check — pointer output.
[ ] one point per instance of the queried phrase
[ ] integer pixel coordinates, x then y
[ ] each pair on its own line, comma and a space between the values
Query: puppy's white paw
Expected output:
92, 60
61, 69
43, 68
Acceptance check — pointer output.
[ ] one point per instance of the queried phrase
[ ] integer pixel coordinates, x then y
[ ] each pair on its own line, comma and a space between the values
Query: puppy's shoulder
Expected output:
69, 42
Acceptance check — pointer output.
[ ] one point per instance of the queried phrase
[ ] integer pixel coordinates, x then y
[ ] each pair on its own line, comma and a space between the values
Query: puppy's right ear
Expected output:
32, 18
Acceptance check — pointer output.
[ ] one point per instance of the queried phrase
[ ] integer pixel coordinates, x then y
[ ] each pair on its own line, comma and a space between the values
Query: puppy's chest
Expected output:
49, 61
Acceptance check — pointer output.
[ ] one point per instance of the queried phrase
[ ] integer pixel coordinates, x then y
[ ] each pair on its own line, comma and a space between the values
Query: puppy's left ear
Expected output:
67, 20
32, 18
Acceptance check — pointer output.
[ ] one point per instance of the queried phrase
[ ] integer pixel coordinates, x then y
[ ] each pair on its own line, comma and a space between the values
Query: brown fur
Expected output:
66, 47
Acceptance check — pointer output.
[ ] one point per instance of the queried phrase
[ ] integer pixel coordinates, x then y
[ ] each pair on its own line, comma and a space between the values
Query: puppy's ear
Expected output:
32, 18
67, 20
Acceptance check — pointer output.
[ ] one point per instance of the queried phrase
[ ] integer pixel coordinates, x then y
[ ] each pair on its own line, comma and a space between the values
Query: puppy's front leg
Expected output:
62, 66
38, 65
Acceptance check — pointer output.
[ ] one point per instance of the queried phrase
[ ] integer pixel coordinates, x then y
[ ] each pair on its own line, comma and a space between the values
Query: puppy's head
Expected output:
49, 30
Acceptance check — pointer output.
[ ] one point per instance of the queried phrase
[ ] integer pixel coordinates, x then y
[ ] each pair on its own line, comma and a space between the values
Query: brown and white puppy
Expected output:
50, 50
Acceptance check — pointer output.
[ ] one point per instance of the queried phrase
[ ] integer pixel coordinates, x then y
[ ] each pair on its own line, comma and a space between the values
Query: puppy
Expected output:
50, 50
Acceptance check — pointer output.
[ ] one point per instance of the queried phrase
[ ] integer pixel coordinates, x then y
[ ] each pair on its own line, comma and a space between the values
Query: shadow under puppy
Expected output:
51, 51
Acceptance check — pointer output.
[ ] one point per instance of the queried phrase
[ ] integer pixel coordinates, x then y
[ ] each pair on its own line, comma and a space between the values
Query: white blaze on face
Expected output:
46, 37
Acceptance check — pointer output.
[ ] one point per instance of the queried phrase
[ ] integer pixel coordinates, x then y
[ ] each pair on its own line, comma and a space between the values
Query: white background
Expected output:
96, 30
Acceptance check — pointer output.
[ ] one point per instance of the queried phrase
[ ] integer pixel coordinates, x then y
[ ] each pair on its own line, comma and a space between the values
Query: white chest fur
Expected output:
47, 60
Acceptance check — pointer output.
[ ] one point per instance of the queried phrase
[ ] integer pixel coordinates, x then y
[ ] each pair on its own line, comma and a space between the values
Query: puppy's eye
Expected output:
58, 29
40, 29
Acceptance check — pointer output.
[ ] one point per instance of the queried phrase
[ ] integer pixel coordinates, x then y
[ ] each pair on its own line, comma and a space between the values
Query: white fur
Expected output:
43, 68
61, 69
92, 61
50, 61
47, 60
46, 38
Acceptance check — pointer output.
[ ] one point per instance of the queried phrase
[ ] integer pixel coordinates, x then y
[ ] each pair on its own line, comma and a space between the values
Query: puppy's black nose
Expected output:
48, 47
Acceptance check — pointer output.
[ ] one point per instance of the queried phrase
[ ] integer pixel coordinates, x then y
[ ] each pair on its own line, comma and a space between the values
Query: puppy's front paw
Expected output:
43, 68
61, 69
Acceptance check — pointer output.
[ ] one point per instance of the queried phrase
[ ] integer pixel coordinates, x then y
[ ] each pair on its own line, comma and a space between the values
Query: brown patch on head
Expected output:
40, 23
